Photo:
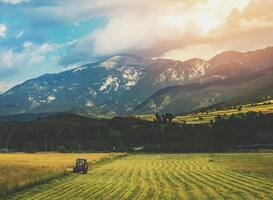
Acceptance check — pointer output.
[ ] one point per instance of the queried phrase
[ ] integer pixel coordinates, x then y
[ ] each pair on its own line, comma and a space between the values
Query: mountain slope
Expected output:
116, 85
180, 99
110, 87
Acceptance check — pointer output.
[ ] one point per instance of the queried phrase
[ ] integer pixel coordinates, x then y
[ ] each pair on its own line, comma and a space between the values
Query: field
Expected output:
18, 170
207, 117
166, 176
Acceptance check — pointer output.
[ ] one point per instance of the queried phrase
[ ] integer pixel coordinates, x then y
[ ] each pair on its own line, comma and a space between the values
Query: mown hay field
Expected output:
166, 176
20, 169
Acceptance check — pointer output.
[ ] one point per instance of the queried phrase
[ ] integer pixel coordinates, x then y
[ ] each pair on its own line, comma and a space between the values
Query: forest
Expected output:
65, 132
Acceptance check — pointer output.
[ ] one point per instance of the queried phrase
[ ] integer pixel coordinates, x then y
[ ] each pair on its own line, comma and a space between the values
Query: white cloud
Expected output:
205, 51
13, 1
173, 28
31, 54
152, 28
3, 30
27, 44
161, 26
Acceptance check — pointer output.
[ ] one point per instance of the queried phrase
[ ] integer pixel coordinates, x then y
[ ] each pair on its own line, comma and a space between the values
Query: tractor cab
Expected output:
81, 166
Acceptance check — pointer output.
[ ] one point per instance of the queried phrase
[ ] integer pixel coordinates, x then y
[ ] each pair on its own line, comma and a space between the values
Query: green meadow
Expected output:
166, 176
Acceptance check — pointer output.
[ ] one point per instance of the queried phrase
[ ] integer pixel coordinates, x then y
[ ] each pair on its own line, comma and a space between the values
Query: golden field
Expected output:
207, 117
21, 169
166, 176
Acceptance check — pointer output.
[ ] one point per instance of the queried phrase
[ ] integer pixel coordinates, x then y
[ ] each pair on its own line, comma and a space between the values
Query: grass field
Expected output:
166, 176
207, 117
18, 170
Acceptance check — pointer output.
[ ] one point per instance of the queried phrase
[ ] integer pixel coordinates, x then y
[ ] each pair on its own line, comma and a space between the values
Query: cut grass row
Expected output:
163, 176
257, 163
21, 170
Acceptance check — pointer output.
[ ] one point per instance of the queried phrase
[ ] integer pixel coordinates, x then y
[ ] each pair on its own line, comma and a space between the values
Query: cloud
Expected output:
11, 60
156, 28
3, 30
151, 28
13, 1
244, 29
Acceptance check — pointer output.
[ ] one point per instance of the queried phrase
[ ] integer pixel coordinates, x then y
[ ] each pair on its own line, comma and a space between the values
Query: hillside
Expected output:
117, 85
110, 87
210, 114
186, 98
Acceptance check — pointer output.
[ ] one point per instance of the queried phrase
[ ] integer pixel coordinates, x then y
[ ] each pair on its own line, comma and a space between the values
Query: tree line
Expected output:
72, 133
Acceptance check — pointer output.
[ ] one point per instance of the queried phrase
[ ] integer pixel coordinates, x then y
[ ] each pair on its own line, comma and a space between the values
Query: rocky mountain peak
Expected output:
119, 83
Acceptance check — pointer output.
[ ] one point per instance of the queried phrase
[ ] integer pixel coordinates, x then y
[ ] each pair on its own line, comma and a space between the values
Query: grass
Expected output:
207, 117
257, 163
165, 176
19, 170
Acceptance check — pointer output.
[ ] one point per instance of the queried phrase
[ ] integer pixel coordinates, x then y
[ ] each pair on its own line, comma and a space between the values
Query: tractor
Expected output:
81, 166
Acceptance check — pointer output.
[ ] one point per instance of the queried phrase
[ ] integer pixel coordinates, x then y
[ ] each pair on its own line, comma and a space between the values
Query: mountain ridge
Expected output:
118, 84
187, 98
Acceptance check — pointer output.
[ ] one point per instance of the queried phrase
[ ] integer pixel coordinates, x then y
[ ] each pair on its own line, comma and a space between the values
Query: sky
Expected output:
48, 36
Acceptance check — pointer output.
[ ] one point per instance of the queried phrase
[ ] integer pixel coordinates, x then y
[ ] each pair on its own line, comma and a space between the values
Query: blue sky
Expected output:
33, 44
46, 36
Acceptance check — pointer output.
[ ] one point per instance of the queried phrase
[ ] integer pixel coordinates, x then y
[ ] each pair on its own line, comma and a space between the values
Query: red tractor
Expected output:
81, 166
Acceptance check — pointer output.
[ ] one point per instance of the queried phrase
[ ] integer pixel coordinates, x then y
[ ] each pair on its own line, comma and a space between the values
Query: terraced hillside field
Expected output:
159, 176
206, 117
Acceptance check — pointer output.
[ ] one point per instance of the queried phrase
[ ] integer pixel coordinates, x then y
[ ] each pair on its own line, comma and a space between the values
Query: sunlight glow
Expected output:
204, 16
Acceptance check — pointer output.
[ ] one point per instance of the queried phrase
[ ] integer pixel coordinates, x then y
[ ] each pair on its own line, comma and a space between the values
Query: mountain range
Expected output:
126, 85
